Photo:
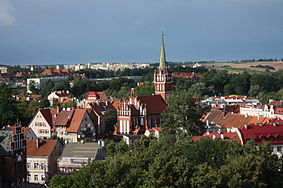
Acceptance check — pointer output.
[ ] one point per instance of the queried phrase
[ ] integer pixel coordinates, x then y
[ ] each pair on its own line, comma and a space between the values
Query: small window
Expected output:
28, 165
35, 165
279, 148
42, 166
42, 178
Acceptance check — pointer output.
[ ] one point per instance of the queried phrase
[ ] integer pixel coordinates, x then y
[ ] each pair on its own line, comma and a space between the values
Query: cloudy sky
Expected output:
82, 31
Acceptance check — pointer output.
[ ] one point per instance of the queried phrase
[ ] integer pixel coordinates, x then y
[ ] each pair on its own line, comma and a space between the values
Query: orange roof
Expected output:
67, 100
76, 120
36, 96
63, 118
239, 120
44, 150
47, 72
115, 104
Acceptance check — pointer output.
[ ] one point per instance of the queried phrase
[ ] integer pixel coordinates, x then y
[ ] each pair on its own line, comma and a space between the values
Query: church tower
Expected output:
163, 80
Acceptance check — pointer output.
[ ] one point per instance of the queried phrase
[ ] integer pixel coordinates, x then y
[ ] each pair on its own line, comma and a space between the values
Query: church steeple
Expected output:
163, 80
162, 63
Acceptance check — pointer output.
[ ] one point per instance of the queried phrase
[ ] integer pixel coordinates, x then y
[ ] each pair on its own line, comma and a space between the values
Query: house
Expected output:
58, 96
71, 124
93, 96
228, 100
13, 171
269, 132
137, 114
221, 120
76, 155
155, 132
42, 159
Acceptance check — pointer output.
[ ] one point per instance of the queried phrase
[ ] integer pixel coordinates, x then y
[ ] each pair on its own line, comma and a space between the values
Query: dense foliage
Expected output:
171, 162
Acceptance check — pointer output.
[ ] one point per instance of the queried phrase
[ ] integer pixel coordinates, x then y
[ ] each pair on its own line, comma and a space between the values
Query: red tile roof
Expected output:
271, 131
63, 118
155, 104
91, 95
232, 136
67, 100
76, 120
44, 150
47, 72
239, 120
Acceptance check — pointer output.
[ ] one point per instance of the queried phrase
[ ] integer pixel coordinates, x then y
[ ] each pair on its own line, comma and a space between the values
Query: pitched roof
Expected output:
47, 72
63, 117
271, 131
95, 94
155, 104
67, 100
76, 120
216, 116
232, 136
44, 150
239, 120
49, 114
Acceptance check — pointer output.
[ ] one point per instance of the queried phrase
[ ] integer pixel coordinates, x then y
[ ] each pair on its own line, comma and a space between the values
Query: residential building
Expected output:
219, 120
71, 124
93, 96
269, 132
58, 96
13, 172
42, 158
76, 155
228, 100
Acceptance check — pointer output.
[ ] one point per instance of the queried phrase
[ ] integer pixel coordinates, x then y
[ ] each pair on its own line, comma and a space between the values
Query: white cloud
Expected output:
6, 16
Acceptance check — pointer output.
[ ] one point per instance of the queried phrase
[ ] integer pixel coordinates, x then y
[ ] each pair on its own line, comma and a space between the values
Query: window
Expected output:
42, 166
42, 178
35, 177
279, 148
28, 177
28, 165
35, 165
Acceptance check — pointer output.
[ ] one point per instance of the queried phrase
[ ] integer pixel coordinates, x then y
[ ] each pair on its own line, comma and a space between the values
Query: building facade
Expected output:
13, 171
42, 158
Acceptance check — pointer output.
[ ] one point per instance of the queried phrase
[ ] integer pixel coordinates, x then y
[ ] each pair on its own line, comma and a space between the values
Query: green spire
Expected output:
162, 63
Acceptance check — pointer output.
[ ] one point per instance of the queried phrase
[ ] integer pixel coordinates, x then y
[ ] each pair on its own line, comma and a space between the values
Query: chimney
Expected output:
213, 137
222, 136
58, 109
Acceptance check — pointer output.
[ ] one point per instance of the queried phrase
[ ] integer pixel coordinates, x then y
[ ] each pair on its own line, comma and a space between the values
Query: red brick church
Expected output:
137, 114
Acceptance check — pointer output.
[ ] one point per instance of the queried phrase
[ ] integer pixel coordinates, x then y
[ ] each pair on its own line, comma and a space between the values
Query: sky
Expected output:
83, 31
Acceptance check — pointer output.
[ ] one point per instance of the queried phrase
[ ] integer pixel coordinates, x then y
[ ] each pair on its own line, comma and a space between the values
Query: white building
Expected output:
42, 160
70, 124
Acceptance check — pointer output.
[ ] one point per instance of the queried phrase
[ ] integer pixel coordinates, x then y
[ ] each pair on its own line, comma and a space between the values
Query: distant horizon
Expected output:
129, 62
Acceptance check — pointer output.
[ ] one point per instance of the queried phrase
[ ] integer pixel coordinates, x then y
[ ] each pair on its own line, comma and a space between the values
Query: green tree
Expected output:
110, 119
182, 113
